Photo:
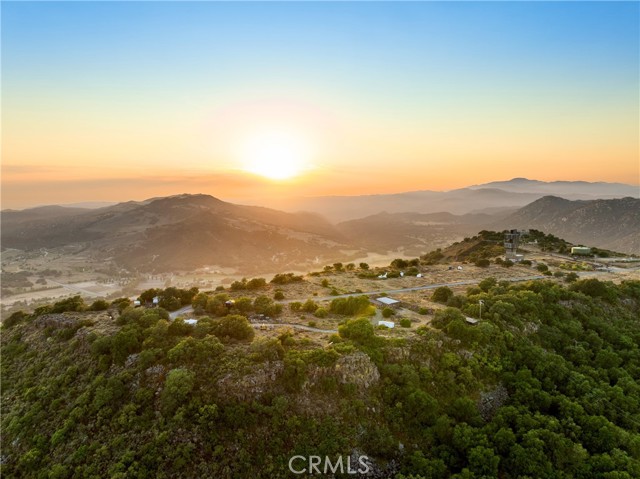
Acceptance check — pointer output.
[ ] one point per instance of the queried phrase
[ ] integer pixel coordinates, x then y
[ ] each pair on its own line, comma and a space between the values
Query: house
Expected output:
136, 303
580, 250
193, 322
384, 300
388, 324
155, 300
471, 321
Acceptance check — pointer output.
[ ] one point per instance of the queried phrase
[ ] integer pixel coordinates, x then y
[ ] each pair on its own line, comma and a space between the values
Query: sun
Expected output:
277, 155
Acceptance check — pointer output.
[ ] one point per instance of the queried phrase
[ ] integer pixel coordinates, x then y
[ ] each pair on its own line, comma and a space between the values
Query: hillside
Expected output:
545, 386
612, 224
178, 233
413, 233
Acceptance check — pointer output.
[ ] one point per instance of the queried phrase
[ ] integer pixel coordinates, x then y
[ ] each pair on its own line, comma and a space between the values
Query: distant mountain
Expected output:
413, 233
462, 201
497, 197
612, 224
179, 233
565, 189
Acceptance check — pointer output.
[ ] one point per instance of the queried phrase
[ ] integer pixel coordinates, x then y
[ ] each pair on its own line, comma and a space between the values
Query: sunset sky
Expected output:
116, 101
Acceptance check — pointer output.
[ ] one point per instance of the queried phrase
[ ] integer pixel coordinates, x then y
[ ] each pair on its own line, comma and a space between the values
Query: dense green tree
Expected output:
234, 327
442, 294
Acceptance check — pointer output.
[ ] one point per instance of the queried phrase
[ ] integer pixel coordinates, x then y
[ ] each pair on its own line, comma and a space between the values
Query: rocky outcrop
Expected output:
56, 321
253, 384
357, 368
491, 400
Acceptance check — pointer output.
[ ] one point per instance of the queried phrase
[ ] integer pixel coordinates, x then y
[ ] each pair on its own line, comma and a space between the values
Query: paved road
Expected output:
77, 290
188, 309
296, 326
181, 311
414, 288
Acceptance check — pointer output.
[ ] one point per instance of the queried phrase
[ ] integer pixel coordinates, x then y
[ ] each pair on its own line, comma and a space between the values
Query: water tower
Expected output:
511, 242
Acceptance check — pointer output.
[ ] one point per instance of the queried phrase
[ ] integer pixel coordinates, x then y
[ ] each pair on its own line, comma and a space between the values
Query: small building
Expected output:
191, 321
582, 250
136, 303
156, 300
471, 321
388, 324
388, 301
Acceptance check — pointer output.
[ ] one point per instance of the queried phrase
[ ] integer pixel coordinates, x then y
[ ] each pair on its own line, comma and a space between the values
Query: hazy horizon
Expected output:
246, 101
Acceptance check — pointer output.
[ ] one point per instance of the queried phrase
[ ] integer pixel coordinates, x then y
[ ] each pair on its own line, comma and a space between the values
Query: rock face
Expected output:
491, 400
56, 321
252, 385
357, 368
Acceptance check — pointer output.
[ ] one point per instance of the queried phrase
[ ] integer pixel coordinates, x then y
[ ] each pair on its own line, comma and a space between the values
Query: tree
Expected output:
442, 294
234, 327
99, 305
399, 263
294, 374
278, 295
309, 306
364, 266
359, 330
487, 283
594, 288
195, 351
177, 387
124, 343
256, 283
350, 306
265, 305
483, 263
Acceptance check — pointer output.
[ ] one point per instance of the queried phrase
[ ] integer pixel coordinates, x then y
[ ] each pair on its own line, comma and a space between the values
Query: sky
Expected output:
112, 101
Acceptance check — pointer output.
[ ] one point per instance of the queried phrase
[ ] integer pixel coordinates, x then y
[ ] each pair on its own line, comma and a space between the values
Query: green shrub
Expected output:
442, 294
320, 313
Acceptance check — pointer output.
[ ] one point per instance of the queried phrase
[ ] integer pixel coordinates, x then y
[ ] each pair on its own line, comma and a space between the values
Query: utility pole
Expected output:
481, 302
